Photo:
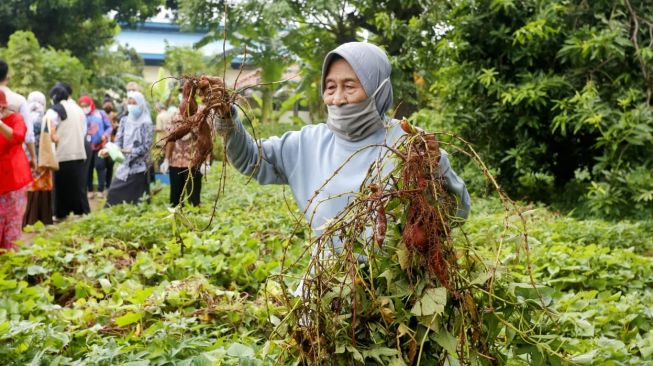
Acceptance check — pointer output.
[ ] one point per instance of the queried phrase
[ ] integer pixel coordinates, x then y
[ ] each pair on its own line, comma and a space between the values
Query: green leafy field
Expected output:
114, 289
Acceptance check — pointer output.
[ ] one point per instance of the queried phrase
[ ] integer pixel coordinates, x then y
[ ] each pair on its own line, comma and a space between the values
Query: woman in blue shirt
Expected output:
98, 131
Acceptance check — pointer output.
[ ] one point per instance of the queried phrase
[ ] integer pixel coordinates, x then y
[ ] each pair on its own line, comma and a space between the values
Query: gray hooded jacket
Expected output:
307, 158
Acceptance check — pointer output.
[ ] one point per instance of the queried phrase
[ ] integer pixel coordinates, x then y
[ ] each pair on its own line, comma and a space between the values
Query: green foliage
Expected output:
62, 66
112, 69
23, 55
185, 61
407, 30
79, 26
113, 287
34, 68
260, 33
256, 28
311, 43
555, 95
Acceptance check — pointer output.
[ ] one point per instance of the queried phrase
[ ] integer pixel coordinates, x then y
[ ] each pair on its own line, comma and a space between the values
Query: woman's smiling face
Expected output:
341, 85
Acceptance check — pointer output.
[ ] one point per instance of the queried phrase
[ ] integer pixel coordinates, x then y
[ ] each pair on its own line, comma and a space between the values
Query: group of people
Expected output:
49, 153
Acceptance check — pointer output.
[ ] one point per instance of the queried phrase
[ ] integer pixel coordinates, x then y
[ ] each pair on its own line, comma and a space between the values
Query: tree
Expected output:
184, 61
23, 55
261, 29
179, 61
407, 30
404, 28
321, 26
62, 66
255, 27
556, 95
112, 69
35, 68
77, 25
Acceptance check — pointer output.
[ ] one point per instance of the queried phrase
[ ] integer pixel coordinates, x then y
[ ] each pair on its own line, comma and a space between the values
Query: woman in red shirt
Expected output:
16, 174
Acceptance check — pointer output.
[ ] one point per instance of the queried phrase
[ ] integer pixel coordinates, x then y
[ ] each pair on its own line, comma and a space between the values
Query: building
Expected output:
150, 38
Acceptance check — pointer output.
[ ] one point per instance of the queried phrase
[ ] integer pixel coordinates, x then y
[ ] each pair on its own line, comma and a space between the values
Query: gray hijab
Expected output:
371, 65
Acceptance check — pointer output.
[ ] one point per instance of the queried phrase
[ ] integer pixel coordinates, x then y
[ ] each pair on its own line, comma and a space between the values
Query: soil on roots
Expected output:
427, 230
200, 120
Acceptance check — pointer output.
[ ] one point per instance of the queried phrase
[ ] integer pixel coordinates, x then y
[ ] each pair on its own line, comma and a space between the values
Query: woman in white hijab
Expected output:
39, 193
36, 111
130, 182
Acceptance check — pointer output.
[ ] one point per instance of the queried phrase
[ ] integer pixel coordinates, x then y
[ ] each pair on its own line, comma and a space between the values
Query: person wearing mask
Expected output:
39, 193
134, 138
99, 129
357, 92
17, 103
15, 175
69, 129
107, 106
131, 86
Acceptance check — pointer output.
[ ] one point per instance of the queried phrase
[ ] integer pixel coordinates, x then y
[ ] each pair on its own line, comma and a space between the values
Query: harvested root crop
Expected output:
393, 281
216, 101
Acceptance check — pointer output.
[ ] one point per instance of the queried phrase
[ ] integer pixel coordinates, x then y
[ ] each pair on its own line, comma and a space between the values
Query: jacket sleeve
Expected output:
277, 154
455, 185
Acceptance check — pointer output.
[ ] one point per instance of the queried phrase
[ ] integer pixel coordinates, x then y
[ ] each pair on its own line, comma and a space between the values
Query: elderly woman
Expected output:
134, 138
15, 175
357, 92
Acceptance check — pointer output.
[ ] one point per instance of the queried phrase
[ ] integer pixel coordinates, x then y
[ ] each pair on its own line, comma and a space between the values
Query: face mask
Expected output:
86, 110
355, 121
108, 109
134, 110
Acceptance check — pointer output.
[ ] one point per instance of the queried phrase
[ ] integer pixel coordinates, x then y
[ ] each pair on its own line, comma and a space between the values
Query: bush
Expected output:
556, 96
